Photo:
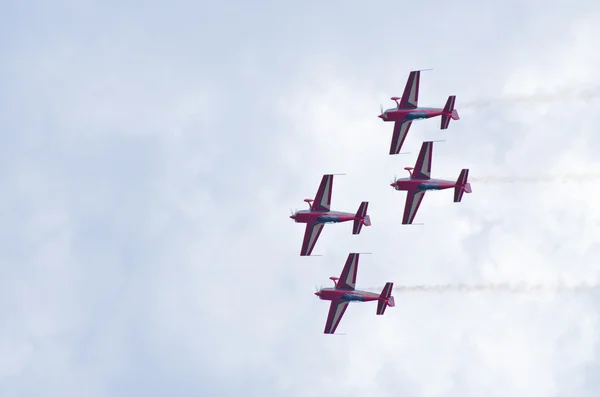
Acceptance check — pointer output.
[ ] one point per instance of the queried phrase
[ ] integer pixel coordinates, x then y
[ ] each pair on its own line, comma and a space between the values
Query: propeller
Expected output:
381, 108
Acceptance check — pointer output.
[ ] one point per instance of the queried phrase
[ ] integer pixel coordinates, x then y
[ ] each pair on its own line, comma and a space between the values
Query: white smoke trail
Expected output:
498, 287
564, 94
568, 178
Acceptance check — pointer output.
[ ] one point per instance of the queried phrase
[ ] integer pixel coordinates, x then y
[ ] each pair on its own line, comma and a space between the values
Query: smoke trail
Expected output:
501, 287
569, 178
564, 94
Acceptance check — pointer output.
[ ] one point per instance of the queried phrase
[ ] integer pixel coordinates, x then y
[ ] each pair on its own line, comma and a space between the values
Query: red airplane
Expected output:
319, 214
343, 293
407, 110
420, 181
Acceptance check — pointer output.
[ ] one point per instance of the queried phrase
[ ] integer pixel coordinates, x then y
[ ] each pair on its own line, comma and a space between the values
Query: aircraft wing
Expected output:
399, 135
413, 201
336, 312
347, 279
422, 168
311, 235
323, 198
410, 98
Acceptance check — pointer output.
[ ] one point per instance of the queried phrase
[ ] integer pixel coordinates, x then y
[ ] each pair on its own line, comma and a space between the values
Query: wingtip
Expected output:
422, 70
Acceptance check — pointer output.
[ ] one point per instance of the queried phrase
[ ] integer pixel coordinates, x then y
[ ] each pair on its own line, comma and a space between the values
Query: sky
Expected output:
151, 153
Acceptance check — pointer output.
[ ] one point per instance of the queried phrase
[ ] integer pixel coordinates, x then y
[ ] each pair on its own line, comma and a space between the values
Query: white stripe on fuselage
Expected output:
415, 110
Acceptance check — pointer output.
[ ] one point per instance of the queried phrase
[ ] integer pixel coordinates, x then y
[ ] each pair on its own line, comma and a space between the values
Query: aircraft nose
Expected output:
318, 293
381, 116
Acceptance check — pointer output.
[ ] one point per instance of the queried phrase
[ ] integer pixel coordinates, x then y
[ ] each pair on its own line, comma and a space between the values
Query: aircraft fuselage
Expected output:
422, 184
395, 114
309, 216
345, 295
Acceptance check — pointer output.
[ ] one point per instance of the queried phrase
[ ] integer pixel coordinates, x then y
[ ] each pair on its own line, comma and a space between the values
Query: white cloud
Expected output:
513, 345
147, 241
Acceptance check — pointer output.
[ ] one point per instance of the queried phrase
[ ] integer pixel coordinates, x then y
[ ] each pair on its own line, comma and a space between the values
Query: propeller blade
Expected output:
381, 107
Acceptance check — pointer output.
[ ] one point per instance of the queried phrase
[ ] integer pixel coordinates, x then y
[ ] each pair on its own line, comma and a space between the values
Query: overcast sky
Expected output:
151, 152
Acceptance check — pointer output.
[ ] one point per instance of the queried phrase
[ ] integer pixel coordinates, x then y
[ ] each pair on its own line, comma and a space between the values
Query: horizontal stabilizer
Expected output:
449, 113
361, 218
385, 298
462, 186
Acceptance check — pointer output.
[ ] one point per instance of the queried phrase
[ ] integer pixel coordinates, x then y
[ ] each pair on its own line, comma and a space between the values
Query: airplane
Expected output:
344, 292
407, 110
319, 213
420, 181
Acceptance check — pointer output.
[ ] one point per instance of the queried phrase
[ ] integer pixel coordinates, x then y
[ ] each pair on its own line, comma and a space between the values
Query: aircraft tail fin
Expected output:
385, 299
361, 218
462, 186
449, 112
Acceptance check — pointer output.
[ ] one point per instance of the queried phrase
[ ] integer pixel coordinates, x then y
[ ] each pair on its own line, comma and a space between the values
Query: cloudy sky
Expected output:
151, 152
